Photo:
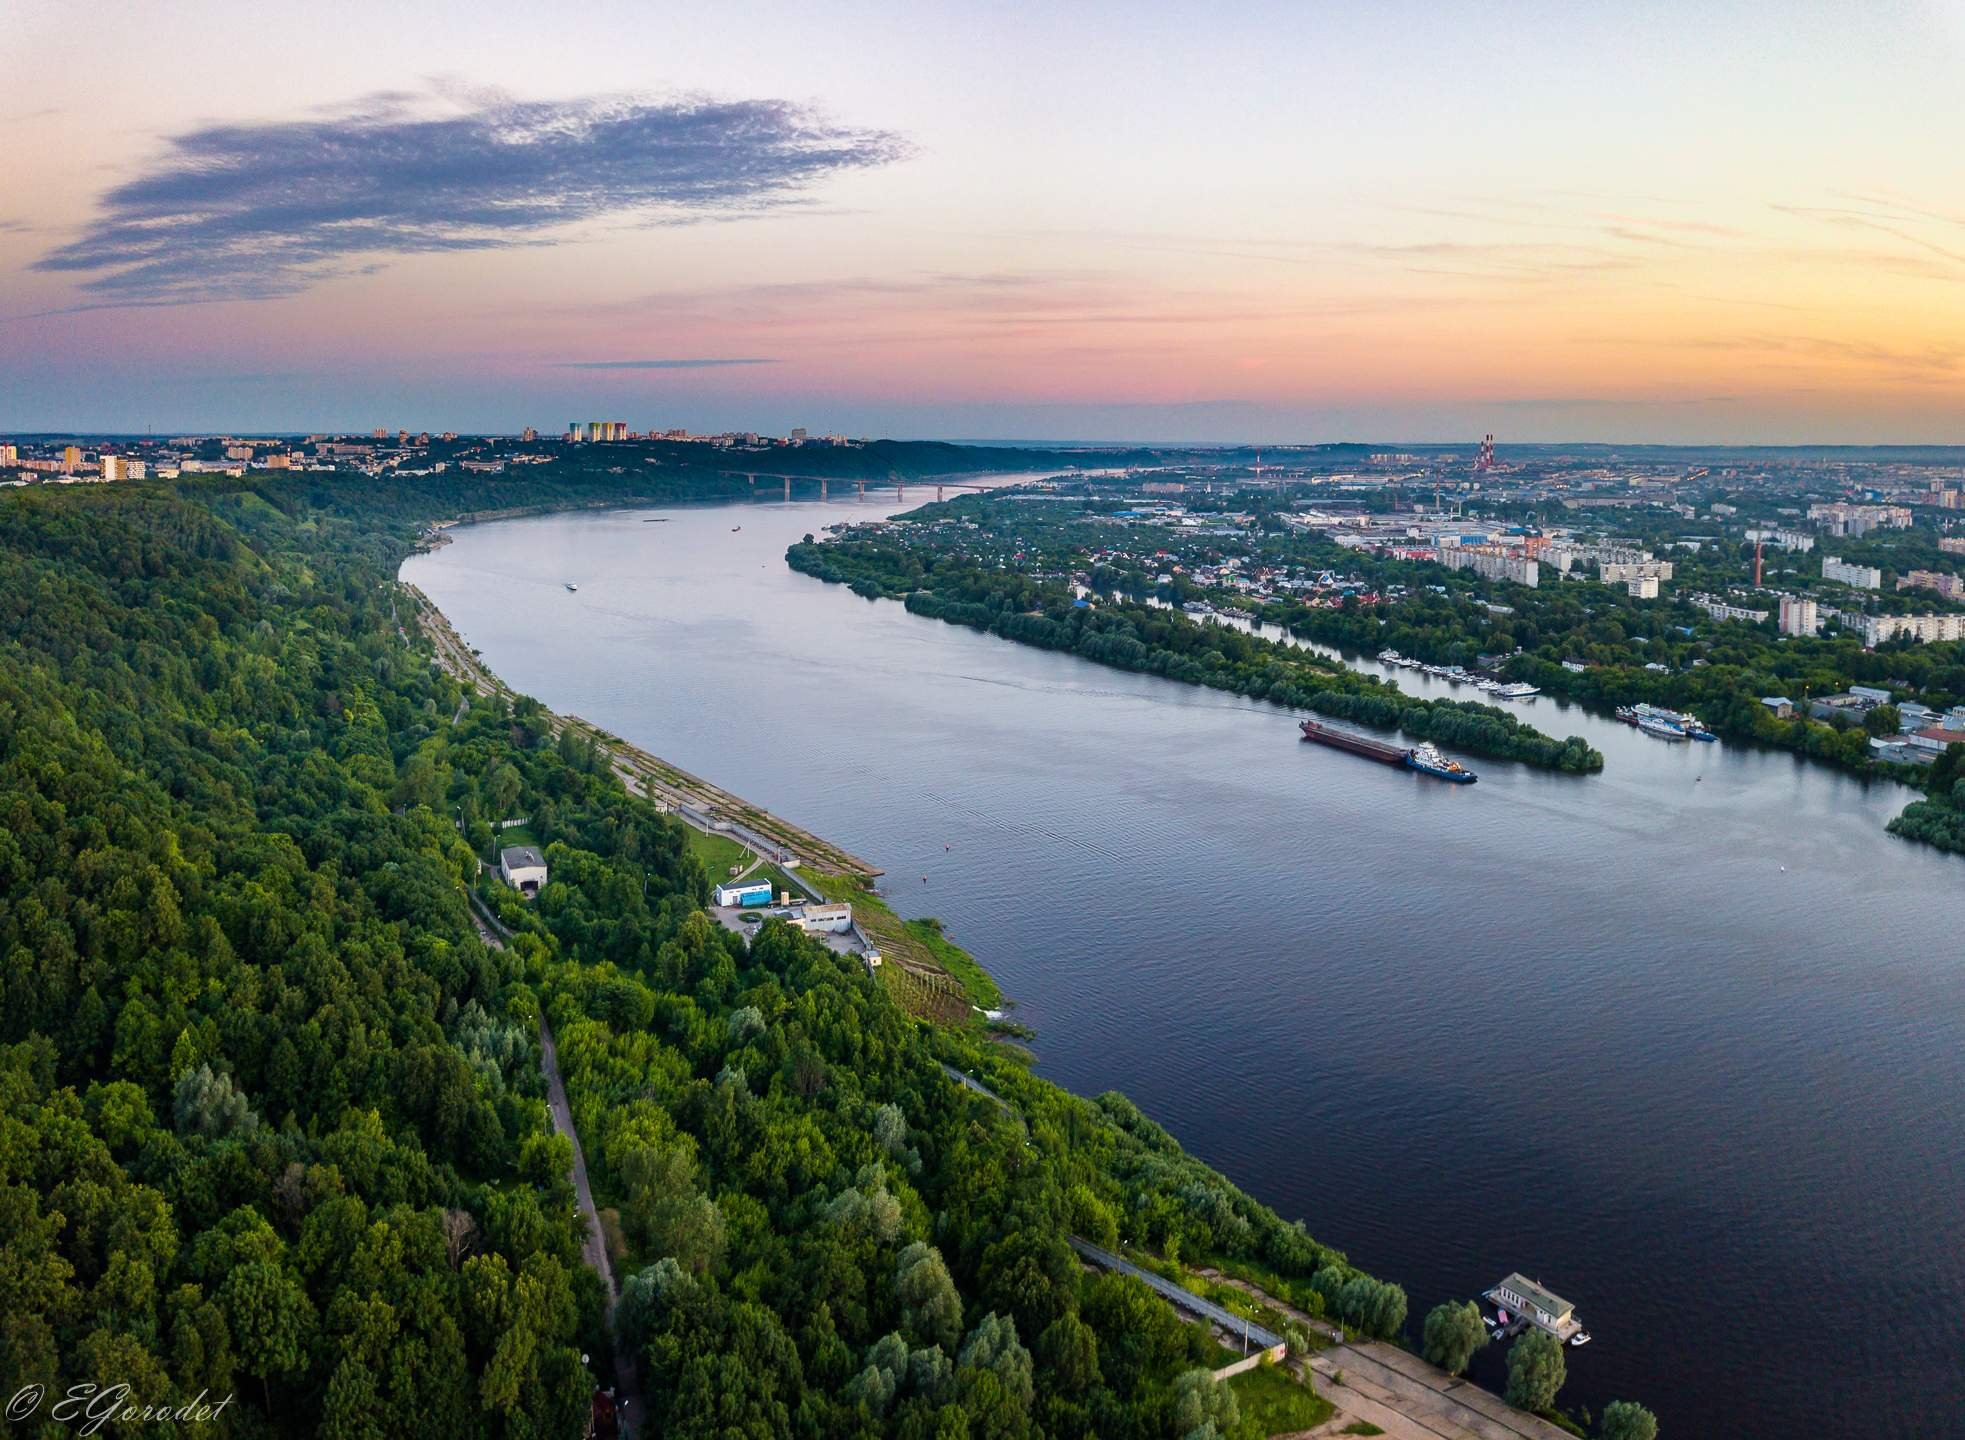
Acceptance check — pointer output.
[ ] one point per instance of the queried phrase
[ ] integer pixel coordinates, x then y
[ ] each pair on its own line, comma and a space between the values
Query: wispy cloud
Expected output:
251, 211
705, 364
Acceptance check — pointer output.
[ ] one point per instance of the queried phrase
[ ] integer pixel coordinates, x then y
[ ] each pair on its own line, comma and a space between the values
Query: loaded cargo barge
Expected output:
1426, 759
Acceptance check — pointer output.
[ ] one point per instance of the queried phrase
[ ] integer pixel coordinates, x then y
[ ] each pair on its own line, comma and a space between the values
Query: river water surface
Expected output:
1685, 1040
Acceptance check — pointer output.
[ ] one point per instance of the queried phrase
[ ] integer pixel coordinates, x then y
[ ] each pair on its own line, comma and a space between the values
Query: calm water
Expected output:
1685, 1040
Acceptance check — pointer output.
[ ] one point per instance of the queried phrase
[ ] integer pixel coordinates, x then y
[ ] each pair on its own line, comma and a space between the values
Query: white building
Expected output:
1622, 572
1522, 1296
1492, 563
1863, 577
1798, 616
1799, 541
121, 467
1879, 628
814, 919
1642, 587
523, 867
1724, 610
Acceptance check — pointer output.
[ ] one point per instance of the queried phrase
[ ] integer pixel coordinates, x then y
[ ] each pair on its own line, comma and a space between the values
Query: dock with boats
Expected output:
1520, 1302
1461, 675
1662, 724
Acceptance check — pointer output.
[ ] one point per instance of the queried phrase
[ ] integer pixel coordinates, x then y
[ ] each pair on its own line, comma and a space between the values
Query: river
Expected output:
1684, 1040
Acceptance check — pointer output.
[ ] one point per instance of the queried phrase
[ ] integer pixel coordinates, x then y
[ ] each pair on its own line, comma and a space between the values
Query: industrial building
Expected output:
828, 918
756, 892
524, 869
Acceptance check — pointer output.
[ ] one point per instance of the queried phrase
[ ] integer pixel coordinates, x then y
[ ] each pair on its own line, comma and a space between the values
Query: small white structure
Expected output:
524, 869
756, 892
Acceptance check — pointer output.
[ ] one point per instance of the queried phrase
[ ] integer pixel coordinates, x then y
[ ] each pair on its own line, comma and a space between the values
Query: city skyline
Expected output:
1273, 225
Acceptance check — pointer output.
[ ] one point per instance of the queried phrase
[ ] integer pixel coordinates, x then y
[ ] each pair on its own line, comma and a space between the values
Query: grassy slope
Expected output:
918, 941
1278, 1403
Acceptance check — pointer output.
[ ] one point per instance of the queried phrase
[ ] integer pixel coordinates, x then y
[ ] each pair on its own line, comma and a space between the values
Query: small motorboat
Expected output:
571, 586
1579, 1339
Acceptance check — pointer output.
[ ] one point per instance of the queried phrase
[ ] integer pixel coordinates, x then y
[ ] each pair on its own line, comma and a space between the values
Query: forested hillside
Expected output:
271, 1118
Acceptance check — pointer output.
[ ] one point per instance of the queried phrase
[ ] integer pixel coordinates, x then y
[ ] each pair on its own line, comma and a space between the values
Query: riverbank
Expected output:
926, 973
1318, 980
952, 585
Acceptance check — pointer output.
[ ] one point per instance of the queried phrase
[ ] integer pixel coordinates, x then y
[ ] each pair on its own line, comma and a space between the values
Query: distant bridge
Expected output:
942, 483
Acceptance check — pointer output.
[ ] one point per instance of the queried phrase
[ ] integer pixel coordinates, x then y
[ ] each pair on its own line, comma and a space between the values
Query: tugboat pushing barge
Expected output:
1425, 758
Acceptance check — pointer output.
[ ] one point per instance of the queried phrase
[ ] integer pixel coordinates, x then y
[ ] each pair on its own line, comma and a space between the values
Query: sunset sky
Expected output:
1671, 221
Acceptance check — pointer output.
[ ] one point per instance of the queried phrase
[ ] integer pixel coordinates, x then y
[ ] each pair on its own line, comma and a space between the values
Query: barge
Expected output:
1426, 759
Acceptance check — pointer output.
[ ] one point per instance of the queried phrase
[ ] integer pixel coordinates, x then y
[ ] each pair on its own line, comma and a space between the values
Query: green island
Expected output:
1071, 566
274, 1123
1035, 604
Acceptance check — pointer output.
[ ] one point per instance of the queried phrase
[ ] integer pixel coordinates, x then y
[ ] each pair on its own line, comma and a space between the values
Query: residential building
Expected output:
71, 459
1492, 562
1924, 628
1798, 616
1862, 577
1725, 609
1620, 572
1642, 587
1949, 586
1839, 518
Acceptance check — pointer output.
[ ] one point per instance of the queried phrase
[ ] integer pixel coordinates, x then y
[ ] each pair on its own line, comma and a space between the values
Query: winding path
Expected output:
627, 1380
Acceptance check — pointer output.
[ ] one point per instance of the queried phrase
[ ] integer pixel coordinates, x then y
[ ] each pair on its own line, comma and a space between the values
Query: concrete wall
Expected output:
1275, 1352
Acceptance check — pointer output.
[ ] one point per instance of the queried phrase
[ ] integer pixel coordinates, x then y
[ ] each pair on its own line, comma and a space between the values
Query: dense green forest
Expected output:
949, 585
271, 1117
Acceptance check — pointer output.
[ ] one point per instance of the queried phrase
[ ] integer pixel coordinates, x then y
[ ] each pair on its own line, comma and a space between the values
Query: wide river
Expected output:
1684, 1040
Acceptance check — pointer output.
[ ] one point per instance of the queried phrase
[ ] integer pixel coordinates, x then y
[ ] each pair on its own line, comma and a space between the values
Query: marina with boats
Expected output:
1461, 675
1663, 724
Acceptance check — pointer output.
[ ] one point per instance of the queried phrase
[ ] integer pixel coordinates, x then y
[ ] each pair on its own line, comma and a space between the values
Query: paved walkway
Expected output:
1403, 1395
1185, 1299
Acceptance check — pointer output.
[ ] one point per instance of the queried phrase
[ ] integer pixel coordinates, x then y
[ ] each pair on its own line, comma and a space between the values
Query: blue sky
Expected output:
1728, 221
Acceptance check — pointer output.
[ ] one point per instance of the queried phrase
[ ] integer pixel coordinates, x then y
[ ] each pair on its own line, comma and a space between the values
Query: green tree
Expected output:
272, 1321
1627, 1420
1535, 1370
931, 1307
1454, 1332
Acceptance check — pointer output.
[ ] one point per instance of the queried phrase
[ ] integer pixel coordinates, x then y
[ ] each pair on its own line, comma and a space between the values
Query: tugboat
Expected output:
1427, 760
